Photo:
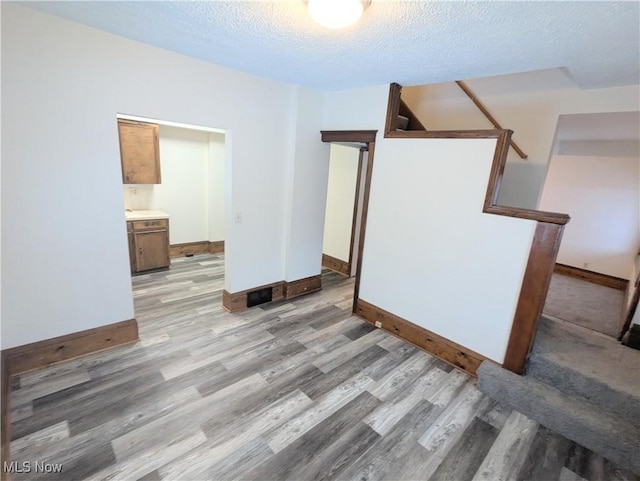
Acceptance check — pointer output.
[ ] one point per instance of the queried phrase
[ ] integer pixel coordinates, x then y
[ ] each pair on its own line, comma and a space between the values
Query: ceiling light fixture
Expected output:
336, 13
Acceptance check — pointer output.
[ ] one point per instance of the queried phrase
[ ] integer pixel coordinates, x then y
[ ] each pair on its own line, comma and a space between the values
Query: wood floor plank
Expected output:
149, 460
506, 456
300, 458
545, 459
339, 355
389, 413
320, 385
240, 462
466, 456
43, 439
382, 458
189, 415
443, 434
225, 443
324, 406
403, 376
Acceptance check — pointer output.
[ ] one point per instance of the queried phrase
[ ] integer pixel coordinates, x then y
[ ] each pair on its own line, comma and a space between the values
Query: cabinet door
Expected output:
152, 249
139, 152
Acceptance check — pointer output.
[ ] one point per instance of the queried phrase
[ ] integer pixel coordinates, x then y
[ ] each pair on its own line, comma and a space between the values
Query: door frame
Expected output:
368, 138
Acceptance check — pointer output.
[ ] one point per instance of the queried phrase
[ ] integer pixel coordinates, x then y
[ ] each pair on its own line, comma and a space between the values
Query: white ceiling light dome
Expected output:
336, 13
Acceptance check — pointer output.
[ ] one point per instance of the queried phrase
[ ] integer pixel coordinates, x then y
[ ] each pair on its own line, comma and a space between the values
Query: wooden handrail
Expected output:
488, 115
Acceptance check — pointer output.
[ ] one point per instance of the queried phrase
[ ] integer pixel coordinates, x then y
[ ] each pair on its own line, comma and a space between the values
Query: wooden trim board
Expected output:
5, 427
356, 204
371, 148
193, 248
216, 247
336, 265
237, 301
458, 356
358, 136
41, 354
181, 250
393, 108
302, 287
38, 355
533, 293
593, 277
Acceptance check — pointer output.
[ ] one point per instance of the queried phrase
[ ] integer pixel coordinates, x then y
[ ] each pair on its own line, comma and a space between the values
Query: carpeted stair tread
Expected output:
569, 415
580, 362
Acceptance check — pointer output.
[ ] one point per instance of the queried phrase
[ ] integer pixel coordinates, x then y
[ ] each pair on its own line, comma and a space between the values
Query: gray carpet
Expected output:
589, 305
579, 383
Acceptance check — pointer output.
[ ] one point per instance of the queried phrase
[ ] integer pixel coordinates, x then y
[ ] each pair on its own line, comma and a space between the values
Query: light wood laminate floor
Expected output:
295, 390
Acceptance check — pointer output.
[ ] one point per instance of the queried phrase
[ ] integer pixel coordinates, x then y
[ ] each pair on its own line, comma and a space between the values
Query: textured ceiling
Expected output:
410, 42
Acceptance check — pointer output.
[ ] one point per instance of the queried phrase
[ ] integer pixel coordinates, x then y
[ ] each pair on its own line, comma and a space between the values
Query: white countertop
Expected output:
145, 214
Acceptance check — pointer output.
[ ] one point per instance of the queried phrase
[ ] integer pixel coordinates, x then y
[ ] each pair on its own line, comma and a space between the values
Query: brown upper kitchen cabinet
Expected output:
139, 152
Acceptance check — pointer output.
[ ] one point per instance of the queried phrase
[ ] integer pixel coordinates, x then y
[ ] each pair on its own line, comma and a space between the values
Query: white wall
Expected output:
184, 158
430, 255
307, 186
216, 187
64, 257
341, 193
602, 197
531, 110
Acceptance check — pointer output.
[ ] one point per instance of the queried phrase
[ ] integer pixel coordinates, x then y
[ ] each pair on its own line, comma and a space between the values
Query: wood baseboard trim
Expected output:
302, 287
448, 351
188, 248
41, 354
590, 276
336, 265
193, 248
5, 427
216, 247
237, 301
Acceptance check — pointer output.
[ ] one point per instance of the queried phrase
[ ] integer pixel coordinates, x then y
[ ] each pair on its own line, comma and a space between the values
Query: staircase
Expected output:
581, 384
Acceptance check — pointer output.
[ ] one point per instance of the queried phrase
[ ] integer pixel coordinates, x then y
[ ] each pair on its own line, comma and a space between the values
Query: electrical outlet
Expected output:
378, 324
237, 217
133, 190
585, 265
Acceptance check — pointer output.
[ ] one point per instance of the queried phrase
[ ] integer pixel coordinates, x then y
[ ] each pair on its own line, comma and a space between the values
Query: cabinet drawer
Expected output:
150, 224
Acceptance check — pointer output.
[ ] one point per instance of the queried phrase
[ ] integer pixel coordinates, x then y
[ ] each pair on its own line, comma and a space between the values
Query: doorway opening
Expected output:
176, 218
348, 187
594, 176
347, 164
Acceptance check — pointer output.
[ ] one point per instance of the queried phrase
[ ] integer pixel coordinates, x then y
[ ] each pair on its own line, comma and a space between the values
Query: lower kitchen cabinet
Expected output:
148, 244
